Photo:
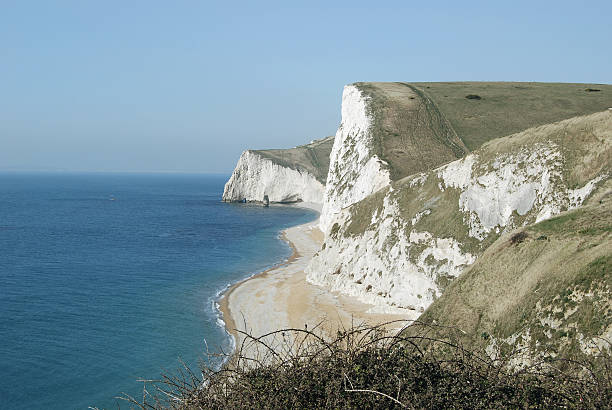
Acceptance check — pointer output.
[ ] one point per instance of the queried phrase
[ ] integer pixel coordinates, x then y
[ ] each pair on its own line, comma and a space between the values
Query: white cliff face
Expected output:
255, 176
384, 250
392, 266
355, 169
492, 193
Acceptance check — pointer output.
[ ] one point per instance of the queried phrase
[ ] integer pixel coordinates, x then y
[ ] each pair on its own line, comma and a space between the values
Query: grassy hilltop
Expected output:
419, 126
506, 108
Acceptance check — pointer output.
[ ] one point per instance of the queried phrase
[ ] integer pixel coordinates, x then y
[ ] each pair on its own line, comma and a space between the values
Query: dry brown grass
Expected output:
410, 132
530, 275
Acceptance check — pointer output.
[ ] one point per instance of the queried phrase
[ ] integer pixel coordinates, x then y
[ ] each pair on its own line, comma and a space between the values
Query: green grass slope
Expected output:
313, 157
410, 133
505, 108
545, 288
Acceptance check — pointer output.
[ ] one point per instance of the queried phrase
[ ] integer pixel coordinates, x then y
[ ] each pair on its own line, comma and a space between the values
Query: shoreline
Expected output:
281, 298
229, 325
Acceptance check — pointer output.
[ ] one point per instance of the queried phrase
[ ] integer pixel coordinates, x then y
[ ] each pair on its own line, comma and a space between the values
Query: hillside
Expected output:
545, 288
399, 248
393, 130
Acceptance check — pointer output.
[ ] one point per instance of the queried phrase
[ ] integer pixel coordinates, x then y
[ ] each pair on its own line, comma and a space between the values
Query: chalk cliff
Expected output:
357, 170
423, 178
291, 175
400, 225
388, 131
399, 248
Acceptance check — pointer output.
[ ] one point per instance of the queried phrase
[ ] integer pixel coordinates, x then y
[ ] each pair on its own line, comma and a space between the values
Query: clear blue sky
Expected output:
187, 85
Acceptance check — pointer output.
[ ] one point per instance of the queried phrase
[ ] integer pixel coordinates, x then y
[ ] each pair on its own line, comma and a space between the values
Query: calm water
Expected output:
105, 279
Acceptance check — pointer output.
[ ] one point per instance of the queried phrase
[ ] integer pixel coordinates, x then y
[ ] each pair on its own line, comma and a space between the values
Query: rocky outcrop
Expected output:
284, 176
255, 177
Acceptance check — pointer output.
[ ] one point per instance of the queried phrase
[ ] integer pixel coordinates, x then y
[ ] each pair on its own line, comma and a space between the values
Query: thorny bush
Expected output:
367, 367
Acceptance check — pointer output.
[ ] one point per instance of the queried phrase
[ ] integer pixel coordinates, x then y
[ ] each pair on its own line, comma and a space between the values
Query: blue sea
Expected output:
108, 278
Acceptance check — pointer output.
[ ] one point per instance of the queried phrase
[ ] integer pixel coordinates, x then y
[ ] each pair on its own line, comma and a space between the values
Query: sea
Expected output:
108, 279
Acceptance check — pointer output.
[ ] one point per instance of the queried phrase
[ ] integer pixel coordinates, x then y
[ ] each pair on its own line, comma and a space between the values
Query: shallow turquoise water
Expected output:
107, 278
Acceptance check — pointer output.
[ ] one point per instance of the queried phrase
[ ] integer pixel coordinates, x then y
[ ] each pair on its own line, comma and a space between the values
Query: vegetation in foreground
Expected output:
366, 368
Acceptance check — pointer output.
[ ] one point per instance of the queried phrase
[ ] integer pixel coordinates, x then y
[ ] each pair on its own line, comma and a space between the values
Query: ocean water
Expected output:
108, 278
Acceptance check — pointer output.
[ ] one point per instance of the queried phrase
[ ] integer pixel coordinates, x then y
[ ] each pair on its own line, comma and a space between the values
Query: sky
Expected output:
186, 86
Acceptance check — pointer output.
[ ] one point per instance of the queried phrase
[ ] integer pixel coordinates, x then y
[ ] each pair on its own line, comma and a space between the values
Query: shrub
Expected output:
518, 237
365, 367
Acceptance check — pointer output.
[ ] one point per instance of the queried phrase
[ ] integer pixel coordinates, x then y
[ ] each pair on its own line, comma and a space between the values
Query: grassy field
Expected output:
408, 130
313, 157
505, 108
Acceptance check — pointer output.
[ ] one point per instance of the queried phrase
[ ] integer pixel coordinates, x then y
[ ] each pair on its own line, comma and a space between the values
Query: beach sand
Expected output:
280, 298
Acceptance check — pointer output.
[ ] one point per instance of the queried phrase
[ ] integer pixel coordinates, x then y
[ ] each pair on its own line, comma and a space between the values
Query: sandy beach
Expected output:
280, 297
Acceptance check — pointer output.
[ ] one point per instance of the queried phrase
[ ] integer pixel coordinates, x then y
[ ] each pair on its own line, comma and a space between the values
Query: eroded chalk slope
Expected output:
400, 247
